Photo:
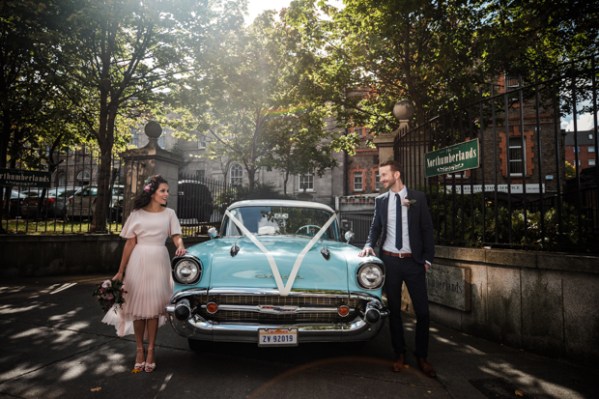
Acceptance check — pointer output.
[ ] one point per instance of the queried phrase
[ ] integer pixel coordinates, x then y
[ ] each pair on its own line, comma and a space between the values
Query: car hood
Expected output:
250, 268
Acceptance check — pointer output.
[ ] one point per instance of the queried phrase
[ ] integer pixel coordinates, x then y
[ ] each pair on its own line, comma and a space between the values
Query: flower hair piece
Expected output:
149, 184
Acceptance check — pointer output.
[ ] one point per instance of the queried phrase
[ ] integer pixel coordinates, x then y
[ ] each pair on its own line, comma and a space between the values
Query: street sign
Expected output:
19, 177
455, 158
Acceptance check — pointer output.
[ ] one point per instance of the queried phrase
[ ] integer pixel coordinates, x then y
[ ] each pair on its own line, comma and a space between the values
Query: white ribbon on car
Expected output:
284, 290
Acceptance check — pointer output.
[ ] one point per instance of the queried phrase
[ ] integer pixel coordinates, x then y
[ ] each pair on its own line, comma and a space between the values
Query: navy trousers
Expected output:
398, 271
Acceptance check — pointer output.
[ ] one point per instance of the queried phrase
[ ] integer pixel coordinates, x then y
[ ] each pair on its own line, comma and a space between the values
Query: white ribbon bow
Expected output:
284, 290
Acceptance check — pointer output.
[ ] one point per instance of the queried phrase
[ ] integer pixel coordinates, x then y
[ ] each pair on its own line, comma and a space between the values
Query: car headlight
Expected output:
371, 276
187, 270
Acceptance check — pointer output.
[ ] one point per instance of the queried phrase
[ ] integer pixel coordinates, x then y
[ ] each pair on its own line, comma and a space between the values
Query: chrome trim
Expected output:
269, 291
362, 264
175, 261
356, 329
275, 310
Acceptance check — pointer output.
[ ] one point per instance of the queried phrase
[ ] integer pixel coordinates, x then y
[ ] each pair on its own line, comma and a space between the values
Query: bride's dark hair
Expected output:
150, 186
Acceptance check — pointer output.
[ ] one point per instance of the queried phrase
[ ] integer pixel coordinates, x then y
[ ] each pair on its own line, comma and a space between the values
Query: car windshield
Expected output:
281, 220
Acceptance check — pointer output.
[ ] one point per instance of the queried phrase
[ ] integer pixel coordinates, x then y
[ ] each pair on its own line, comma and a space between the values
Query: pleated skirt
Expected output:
149, 286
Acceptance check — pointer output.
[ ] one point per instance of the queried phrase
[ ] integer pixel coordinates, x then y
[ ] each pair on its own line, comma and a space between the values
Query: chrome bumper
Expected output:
362, 327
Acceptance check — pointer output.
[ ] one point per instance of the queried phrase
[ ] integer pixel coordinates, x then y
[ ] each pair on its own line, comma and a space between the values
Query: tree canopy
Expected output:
74, 71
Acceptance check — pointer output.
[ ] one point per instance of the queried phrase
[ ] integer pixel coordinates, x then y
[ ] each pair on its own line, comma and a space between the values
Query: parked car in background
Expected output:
43, 203
81, 205
16, 199
278, 274
62, 199
194, 202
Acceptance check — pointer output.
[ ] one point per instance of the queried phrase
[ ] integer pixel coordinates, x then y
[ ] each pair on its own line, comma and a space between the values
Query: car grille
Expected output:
236, 308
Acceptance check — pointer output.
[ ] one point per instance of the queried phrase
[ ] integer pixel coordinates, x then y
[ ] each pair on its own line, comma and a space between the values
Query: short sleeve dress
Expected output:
148, 282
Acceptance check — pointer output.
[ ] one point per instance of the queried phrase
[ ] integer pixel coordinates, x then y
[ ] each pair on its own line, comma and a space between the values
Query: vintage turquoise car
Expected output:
277, 274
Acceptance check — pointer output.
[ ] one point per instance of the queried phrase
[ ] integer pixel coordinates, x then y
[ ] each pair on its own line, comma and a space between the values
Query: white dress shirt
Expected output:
389, 244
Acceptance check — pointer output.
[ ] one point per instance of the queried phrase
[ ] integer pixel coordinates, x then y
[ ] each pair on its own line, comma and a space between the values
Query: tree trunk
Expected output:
106, 141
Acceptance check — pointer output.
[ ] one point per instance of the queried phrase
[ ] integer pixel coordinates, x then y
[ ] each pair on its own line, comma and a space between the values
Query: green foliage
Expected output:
474, 221
265, 109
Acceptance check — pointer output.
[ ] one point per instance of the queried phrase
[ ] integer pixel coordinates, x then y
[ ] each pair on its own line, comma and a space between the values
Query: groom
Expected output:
403, 223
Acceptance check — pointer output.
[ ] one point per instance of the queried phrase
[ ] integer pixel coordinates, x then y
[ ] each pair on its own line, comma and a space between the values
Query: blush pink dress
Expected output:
148, 279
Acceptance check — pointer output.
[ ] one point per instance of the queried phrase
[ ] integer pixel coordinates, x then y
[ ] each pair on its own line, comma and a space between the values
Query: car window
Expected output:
89, 192
281, 221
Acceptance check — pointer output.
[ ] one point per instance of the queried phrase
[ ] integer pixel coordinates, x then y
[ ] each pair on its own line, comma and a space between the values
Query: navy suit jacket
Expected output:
420, 226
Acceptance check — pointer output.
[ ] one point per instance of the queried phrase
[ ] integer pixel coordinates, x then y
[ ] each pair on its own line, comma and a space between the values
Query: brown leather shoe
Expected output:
399, 364
426, 367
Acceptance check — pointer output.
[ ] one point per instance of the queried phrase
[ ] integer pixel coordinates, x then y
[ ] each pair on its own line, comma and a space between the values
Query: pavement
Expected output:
471, 367
52, 345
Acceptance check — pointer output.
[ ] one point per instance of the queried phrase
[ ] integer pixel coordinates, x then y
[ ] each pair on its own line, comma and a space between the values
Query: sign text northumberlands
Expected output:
18, 177
456, 158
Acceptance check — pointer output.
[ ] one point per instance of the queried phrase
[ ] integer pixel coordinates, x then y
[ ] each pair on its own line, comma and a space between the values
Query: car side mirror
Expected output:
349, 235
212, 233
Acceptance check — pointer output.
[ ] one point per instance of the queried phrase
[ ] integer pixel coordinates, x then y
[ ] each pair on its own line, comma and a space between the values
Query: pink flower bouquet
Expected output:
109, 293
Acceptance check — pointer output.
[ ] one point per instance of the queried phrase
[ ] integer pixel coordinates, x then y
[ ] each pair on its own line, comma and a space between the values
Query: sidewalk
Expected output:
471, 367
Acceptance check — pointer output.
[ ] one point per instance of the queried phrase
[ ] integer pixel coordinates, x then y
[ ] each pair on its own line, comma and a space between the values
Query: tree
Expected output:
384, 51
262, 87
442, 55
26, 111
118, 56
535, 39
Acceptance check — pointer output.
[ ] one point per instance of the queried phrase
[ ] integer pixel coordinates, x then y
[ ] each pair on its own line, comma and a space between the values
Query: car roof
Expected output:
280, 202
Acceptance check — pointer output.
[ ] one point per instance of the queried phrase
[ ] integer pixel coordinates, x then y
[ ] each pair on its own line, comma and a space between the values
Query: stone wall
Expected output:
543, 302
31, 256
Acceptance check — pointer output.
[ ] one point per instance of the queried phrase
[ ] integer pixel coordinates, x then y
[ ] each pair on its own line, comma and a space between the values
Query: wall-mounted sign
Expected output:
455, 158
19, 177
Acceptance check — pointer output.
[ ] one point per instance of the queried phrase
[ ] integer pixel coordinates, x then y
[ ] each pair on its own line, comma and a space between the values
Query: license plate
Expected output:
277, 337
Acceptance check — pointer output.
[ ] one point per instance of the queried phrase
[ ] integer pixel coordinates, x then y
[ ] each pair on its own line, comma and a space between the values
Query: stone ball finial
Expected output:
403, 110
153, 129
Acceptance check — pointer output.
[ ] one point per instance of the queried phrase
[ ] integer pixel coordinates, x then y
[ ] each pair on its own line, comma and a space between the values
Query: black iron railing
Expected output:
537, 182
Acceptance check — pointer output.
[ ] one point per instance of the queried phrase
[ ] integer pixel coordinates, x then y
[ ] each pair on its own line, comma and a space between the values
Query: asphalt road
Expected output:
53, 345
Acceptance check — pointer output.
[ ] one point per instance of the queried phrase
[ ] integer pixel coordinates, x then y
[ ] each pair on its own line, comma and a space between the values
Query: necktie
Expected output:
398, 222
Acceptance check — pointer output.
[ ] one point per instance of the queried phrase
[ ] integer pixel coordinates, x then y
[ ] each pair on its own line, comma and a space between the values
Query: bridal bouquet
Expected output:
109, 293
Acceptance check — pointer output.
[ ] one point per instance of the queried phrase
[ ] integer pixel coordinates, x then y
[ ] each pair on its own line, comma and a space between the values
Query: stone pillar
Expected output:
141, 163
384, 142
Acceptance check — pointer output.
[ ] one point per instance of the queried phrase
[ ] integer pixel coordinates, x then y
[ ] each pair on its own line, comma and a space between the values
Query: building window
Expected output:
591, 162
236, 175
591, 149
201, 141
376, 179
358, 181
511, 82
516, 159
306, 183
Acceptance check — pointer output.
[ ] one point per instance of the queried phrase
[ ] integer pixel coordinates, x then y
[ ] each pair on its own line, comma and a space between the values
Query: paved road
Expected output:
52, 345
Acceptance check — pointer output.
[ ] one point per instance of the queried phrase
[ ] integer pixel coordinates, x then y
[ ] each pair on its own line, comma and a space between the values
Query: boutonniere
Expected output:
408, 202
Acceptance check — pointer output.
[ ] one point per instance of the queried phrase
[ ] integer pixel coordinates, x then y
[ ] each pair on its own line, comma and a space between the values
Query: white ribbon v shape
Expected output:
284, 290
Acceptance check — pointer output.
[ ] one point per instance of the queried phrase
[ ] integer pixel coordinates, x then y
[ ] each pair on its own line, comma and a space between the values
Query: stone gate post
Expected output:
141, 163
